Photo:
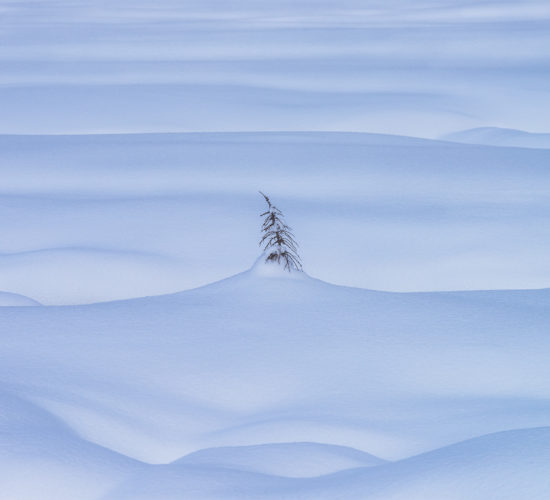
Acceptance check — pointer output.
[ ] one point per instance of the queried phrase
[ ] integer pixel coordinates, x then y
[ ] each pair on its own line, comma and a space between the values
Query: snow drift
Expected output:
284, 358
107, 217
510, 466
42, 458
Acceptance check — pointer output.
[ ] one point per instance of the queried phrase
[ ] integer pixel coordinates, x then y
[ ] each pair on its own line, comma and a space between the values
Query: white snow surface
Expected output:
271, 374
493, 136
106, 217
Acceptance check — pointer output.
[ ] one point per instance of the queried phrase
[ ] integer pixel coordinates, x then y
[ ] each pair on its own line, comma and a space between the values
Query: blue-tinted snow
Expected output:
419, 68
269, 385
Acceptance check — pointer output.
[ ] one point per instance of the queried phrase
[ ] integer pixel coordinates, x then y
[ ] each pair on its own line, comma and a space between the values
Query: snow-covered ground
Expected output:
266, 358
102, 217
419, 68
409, 361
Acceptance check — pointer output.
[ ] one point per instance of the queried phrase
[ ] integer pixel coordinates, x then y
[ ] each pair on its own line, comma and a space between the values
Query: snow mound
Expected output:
263, 269
283, 459
14, 299
510, 465
494, 136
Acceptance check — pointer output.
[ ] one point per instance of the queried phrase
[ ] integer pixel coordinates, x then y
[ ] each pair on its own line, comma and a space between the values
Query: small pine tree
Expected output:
277, 240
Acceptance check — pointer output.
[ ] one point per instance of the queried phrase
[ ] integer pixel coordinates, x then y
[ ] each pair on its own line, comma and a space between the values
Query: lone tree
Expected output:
277, 240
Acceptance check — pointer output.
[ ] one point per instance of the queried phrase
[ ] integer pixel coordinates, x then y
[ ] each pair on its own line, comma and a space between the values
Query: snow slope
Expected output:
266, 357
42, 458
493, 136
14, 299
97, 218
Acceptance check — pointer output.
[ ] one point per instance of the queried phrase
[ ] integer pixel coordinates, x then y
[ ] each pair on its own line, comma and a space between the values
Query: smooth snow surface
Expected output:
135, 136
283, 459
42, 458
510, 465
14, 299
106, 217
419, 67
492, 136
259, 371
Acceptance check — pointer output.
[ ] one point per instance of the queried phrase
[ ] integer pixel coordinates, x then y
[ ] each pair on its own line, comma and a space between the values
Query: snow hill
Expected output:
493, 136
106, 217
95, 394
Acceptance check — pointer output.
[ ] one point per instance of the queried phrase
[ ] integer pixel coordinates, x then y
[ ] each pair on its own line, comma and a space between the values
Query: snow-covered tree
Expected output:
277, 239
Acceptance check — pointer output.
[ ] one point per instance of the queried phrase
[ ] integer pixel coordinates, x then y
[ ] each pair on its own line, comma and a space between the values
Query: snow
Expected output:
41, 457
261, 358
283, 459
14, 299
107, 217
408, 361
507, 465
493, 136
419, 68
